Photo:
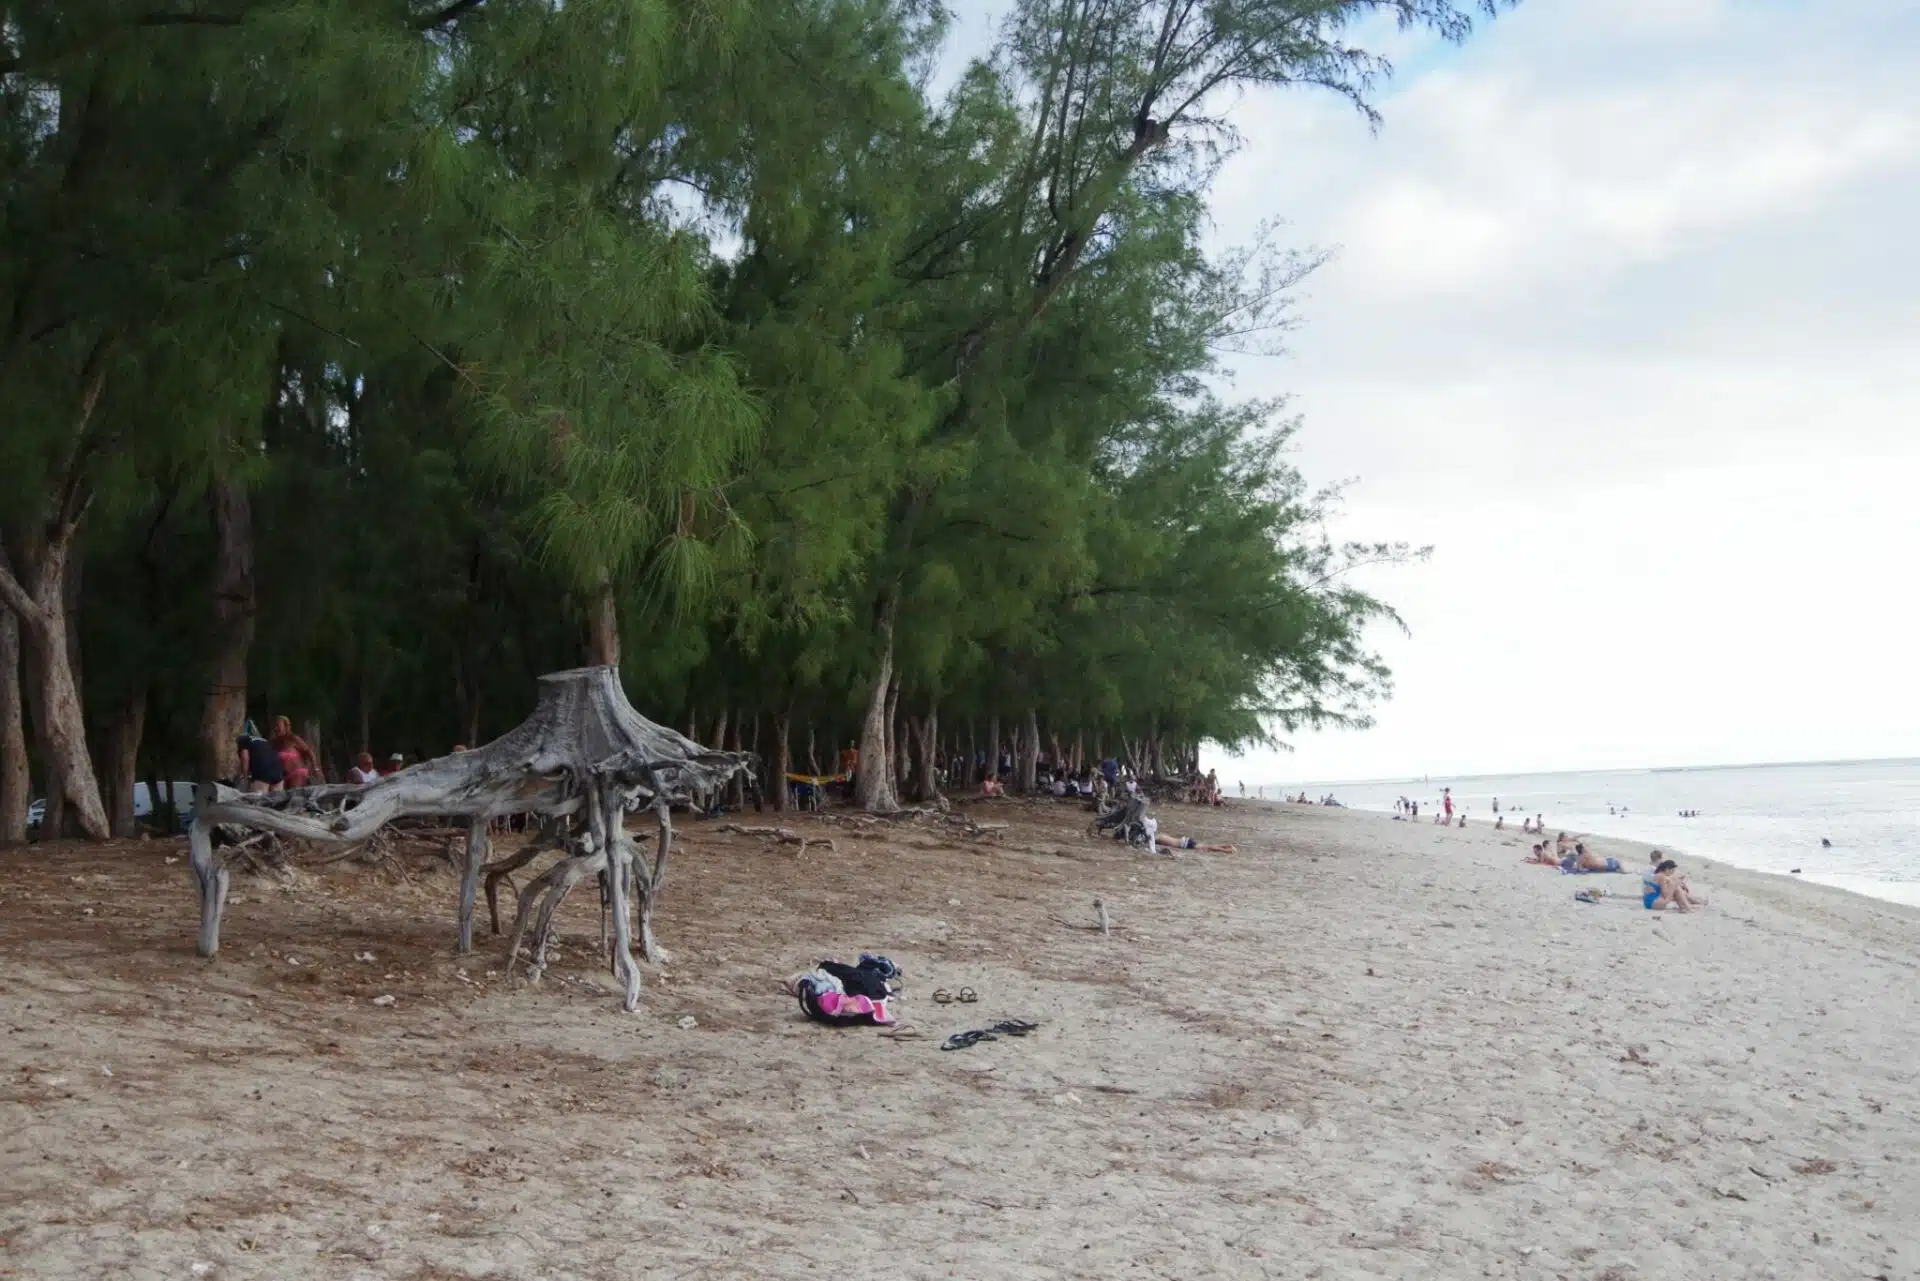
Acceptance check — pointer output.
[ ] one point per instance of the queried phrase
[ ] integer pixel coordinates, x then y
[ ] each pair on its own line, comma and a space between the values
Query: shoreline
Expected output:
1726, 868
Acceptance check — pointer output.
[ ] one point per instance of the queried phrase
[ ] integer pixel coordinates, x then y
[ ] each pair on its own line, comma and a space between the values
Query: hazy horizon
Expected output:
1231, 775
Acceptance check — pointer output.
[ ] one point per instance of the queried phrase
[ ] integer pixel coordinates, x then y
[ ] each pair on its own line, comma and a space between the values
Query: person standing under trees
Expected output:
298, 763
260, 769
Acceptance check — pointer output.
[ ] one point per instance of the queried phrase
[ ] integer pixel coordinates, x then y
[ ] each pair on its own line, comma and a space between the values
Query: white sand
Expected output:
1357, 1048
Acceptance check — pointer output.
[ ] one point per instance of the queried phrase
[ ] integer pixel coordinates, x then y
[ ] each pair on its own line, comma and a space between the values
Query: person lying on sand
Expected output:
1581, 860
1189, 843
1543, 856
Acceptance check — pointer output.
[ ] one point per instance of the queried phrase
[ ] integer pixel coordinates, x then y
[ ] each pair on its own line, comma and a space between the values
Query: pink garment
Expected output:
839, 1005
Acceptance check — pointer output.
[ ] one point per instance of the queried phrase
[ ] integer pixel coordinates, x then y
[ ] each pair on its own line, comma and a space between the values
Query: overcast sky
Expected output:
1625, 320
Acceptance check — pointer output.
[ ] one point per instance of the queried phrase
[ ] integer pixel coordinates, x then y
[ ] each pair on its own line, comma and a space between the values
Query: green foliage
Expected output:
499, 307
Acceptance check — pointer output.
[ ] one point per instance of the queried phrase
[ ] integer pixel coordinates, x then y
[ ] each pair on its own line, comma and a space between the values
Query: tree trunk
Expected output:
928, 788
737, 793
123, 762
1029, 752
777, 780
813, 753
40, 607
894, 750
233, 612
720, 732
14, 781
993, 748
873, 785
310, 731
603, 629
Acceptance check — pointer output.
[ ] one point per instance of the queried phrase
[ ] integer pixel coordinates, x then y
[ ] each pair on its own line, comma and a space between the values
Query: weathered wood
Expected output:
545, 893
584, 748
503, 870
479, 844
210, 872
603, 819
781, 836
655, 876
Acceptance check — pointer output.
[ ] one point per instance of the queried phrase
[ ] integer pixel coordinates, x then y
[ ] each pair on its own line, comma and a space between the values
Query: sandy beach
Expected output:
1355, 1048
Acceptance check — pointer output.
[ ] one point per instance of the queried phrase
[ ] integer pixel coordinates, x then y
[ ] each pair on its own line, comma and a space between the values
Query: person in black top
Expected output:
260, 769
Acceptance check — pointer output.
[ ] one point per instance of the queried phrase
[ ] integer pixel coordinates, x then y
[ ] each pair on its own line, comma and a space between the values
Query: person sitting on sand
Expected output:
1666, 888
1500, 823
990, 786
1560, 844
1526, 826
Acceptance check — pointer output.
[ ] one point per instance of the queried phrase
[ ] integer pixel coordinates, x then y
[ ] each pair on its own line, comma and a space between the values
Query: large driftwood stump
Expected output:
584, 755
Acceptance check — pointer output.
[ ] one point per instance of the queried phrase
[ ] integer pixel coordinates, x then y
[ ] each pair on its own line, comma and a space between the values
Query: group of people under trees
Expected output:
287, 761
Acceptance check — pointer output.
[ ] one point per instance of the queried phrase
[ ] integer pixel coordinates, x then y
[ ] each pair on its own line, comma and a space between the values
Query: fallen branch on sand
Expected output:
781, 836
957, 819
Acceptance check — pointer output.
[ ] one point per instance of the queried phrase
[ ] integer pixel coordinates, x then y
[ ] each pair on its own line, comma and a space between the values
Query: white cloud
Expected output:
1623, 321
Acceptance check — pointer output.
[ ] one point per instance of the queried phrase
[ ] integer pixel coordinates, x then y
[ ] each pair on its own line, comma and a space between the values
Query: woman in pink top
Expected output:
296, 758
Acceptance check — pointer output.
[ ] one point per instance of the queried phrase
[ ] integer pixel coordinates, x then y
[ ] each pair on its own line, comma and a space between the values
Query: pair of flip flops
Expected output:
973, 1036
967, 996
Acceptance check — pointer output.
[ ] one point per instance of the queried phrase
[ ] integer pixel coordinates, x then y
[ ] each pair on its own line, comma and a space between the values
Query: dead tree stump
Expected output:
583, 753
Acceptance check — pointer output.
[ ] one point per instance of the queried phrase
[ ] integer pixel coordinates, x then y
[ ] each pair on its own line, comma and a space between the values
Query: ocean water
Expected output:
1770, 818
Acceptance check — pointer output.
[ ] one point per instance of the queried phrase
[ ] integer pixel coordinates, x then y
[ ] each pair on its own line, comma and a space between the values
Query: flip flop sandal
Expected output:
1014, 1027
901, 1032
942, 997
962, 1040
967, 996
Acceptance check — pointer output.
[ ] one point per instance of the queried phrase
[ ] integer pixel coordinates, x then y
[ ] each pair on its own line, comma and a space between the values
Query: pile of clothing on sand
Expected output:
842, 995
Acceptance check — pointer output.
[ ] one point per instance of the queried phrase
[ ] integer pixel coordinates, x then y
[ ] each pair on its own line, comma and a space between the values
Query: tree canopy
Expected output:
362, 359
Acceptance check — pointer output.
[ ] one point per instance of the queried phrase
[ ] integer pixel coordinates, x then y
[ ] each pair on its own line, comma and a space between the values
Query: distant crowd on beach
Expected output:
1662, 884
1407, 810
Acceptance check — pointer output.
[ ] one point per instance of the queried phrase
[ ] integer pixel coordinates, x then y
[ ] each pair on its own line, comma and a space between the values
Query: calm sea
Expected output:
1770, 818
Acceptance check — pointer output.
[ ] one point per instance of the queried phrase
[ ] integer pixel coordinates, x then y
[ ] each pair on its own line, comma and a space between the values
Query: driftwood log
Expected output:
584, 755
781, 836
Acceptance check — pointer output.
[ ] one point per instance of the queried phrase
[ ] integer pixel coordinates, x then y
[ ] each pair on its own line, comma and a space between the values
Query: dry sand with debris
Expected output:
1357, 1048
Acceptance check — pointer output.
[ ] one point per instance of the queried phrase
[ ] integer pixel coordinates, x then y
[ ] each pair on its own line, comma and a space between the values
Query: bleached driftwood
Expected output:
781, 836
584, 752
